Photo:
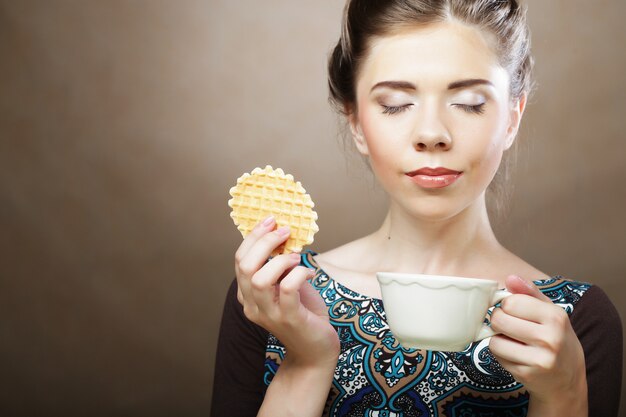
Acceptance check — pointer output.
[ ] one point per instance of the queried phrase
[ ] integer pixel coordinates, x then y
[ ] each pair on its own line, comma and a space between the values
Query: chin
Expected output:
431, 209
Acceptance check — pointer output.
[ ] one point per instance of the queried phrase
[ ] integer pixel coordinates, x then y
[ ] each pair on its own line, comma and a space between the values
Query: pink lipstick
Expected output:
434, 177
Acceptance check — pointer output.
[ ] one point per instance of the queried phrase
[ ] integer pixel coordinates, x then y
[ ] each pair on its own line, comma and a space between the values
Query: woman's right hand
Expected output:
275, 295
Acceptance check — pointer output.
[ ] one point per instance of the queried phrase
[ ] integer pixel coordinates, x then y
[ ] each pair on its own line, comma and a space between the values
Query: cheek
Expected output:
374, 135
490, 140
383, 149
385, 136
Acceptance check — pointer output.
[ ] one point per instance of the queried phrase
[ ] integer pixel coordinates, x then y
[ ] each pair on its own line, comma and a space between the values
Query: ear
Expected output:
357, 134
517, 111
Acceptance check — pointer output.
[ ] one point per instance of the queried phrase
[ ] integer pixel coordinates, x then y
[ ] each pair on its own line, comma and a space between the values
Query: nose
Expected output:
431, 133
432, 143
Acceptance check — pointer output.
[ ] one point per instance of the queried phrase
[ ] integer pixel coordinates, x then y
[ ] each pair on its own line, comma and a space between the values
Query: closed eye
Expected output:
473, 109
395, 109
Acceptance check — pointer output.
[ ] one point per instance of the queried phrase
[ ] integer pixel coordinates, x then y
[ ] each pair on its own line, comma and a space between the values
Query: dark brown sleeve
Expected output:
238, 387
598, 326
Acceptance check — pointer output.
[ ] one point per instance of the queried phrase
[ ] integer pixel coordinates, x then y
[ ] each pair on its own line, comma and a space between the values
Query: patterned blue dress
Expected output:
375, 376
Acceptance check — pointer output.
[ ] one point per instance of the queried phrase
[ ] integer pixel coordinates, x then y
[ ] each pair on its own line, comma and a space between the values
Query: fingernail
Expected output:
522, 280
294, 256
283, 231
268, 221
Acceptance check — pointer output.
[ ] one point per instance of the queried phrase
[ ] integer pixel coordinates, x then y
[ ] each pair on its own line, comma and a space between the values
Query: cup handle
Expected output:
486, 330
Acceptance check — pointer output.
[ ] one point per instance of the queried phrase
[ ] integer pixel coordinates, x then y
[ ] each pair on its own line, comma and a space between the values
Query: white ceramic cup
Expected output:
436, 312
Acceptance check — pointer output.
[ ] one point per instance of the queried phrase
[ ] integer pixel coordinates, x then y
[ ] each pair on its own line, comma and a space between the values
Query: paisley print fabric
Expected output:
375, 376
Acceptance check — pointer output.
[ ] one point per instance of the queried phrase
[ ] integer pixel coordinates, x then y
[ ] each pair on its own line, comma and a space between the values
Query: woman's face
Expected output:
434, 97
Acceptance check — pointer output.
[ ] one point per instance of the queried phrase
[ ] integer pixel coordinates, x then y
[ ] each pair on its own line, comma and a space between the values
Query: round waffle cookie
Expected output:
271, 192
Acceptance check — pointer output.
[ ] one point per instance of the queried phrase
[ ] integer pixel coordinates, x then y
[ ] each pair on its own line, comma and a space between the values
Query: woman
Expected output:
434, 93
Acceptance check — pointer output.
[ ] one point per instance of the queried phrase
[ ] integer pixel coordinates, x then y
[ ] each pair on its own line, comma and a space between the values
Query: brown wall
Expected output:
124, 123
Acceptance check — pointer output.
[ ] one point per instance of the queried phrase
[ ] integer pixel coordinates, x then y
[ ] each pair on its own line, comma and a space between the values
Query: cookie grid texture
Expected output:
271, 192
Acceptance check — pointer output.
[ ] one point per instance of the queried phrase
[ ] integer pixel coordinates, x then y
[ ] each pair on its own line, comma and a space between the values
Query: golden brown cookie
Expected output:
271, 192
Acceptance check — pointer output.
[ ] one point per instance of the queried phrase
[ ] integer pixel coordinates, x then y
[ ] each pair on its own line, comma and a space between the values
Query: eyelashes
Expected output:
469, 108
474, 109
395, 109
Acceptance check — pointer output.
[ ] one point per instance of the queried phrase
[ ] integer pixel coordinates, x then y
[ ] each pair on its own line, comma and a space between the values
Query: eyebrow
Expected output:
468, 83
405, 85
396, 85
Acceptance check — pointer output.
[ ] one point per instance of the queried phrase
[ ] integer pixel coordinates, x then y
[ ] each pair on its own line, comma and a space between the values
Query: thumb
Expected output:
518, 285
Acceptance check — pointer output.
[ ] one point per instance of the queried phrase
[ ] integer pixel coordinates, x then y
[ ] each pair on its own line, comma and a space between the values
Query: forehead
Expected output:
435, 53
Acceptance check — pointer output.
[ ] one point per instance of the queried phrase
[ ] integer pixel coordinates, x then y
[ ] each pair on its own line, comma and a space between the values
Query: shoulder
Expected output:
594, 312
351, 265
351, 258
598, 326
563, 292
343, 255
578, 298
594, 317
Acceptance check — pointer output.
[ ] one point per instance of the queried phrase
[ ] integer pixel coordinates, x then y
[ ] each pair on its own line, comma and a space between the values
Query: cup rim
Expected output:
433, 280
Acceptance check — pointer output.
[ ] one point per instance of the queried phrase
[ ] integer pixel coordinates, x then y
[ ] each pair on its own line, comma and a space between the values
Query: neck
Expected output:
443, 247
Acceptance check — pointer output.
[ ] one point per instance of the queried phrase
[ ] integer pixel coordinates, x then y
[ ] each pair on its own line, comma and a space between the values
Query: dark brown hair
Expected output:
363, 20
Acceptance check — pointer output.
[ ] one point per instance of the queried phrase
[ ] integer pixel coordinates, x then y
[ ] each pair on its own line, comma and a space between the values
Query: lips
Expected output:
434, 177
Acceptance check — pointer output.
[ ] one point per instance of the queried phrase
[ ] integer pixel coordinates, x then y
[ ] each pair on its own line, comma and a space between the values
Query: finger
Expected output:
257, 255
263, 284
517, 328
506, 349
522, 361
519, 371
245, 266
289, 289
518, 285
255, 234
312, 300
526, 307
250, 309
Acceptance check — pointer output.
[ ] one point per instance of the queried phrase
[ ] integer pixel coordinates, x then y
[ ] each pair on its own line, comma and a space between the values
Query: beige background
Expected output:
124, 123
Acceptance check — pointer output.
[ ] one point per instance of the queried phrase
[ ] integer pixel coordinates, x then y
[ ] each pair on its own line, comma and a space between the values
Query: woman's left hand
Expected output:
539, 347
